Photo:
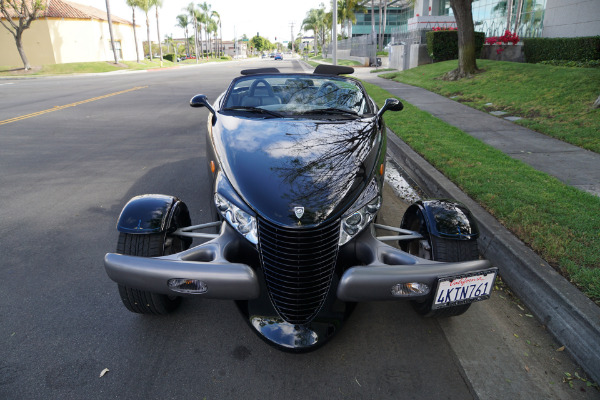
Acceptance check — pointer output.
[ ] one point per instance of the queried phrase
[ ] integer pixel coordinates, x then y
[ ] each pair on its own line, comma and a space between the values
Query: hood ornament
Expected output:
299, 211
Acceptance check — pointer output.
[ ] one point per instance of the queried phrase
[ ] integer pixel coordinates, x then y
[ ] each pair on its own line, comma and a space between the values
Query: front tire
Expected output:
148, 245
438, 249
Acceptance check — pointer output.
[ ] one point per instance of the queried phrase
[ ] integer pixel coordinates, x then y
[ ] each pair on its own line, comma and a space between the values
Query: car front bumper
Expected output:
381, 267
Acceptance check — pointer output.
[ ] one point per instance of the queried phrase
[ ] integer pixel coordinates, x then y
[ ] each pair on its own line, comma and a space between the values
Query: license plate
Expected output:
463, 289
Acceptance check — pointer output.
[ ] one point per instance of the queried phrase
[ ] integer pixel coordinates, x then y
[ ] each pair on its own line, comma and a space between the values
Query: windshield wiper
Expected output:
331, 110
253, 109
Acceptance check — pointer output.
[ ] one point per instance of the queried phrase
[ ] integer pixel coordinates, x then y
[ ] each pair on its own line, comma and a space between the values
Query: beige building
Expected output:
68, 32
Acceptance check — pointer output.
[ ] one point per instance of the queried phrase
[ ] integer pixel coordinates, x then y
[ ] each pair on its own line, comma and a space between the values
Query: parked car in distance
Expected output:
296, 166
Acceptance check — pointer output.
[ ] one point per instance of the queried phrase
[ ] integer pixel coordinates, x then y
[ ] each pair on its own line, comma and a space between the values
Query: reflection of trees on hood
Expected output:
324, 165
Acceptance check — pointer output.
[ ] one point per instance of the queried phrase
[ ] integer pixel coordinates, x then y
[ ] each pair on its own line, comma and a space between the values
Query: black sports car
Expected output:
297, 164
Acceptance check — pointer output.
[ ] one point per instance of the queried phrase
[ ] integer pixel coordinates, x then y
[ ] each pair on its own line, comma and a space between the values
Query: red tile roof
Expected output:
70, 10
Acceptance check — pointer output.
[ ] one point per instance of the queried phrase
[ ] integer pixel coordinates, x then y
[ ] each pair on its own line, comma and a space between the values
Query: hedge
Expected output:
169, 57
570, 49
443, 45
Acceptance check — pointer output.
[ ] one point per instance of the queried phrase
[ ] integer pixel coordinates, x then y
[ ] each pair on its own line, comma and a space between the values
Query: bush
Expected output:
169, 57
225, 58
442, 45
571, 49
573, 64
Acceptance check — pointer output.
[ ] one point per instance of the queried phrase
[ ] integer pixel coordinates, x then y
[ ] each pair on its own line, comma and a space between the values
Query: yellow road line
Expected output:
57, 108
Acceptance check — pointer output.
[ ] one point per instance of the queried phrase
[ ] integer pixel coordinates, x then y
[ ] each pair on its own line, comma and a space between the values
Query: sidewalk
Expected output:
570, 164
572, 318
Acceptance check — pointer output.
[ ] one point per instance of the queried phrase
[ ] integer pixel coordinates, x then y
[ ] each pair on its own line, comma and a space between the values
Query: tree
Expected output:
347, 10
184, 22
133, 4
260, 43
373, 20
200, 21
381, 31
467, 65
212, 28
206, 20
25, 12
110, 31
315, 21
145, 6
220, 42
170, 42
156, 4
191, 9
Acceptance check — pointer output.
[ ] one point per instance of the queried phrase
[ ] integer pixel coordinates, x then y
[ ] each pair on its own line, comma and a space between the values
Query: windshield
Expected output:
290, 95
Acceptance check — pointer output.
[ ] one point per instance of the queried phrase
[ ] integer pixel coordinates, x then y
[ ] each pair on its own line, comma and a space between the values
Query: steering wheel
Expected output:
265, 84
323, 89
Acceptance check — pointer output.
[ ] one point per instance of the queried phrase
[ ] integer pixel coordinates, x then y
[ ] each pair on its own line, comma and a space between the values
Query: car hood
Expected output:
277, 165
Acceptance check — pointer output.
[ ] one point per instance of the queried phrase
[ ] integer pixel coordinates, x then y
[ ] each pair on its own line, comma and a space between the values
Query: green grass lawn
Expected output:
348, 63
559, 222
556, 101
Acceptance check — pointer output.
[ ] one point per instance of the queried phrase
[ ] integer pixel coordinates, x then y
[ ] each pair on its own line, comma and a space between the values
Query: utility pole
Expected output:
235, 44
292, 35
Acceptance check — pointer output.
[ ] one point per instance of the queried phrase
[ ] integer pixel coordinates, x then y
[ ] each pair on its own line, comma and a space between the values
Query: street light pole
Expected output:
334, 23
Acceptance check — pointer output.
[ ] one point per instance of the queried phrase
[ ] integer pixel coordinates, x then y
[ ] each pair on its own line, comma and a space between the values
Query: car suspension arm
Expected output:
405, 234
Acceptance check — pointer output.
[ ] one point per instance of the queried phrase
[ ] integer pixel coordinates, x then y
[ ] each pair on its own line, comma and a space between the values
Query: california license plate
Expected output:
463, 289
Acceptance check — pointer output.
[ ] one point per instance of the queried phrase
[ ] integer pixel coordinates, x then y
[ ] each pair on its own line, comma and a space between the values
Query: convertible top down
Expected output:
297, 166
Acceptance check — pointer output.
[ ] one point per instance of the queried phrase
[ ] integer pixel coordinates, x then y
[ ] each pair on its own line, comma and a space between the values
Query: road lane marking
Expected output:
58, 108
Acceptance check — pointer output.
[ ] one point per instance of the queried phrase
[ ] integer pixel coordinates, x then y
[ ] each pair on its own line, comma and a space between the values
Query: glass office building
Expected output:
493, 17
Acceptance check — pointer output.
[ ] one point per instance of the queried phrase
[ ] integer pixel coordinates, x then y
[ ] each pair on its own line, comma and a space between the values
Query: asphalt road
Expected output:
73, 150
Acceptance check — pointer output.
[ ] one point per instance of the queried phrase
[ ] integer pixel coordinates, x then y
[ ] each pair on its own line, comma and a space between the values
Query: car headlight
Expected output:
361, 213
241, 220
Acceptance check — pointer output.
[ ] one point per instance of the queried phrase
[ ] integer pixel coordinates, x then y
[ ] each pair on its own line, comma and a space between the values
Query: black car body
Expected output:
297, 163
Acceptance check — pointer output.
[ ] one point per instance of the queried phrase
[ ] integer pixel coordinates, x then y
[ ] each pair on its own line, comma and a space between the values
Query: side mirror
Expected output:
392, 105
201, 100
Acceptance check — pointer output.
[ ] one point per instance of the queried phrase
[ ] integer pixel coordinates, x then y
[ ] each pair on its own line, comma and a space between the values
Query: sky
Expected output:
271, 18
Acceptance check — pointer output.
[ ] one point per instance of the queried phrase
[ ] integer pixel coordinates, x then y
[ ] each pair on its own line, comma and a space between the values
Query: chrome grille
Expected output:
298, 265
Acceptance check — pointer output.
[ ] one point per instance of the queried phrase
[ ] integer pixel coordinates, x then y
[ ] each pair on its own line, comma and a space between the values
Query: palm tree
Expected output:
213, 28
183, 22
191, 9
170, 42
373, 20
145, 6
110, 30
383, 24
315, 21
219, 47
200, 22
206, 18
133, 4
156, 4
347, 10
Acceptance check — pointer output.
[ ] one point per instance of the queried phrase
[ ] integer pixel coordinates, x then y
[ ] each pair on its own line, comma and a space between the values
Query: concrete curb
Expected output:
572, 318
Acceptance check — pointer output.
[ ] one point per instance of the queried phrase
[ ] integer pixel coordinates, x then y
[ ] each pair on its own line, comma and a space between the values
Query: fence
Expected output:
358, 48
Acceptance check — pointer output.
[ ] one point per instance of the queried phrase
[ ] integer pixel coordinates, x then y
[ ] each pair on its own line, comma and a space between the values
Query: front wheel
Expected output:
437, 249
149, 245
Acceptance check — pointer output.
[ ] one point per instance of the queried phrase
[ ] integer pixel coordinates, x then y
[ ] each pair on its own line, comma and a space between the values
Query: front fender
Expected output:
443, 218
153, 213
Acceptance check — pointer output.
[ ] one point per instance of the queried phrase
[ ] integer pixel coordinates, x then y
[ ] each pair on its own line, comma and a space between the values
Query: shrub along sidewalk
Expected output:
559, 222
